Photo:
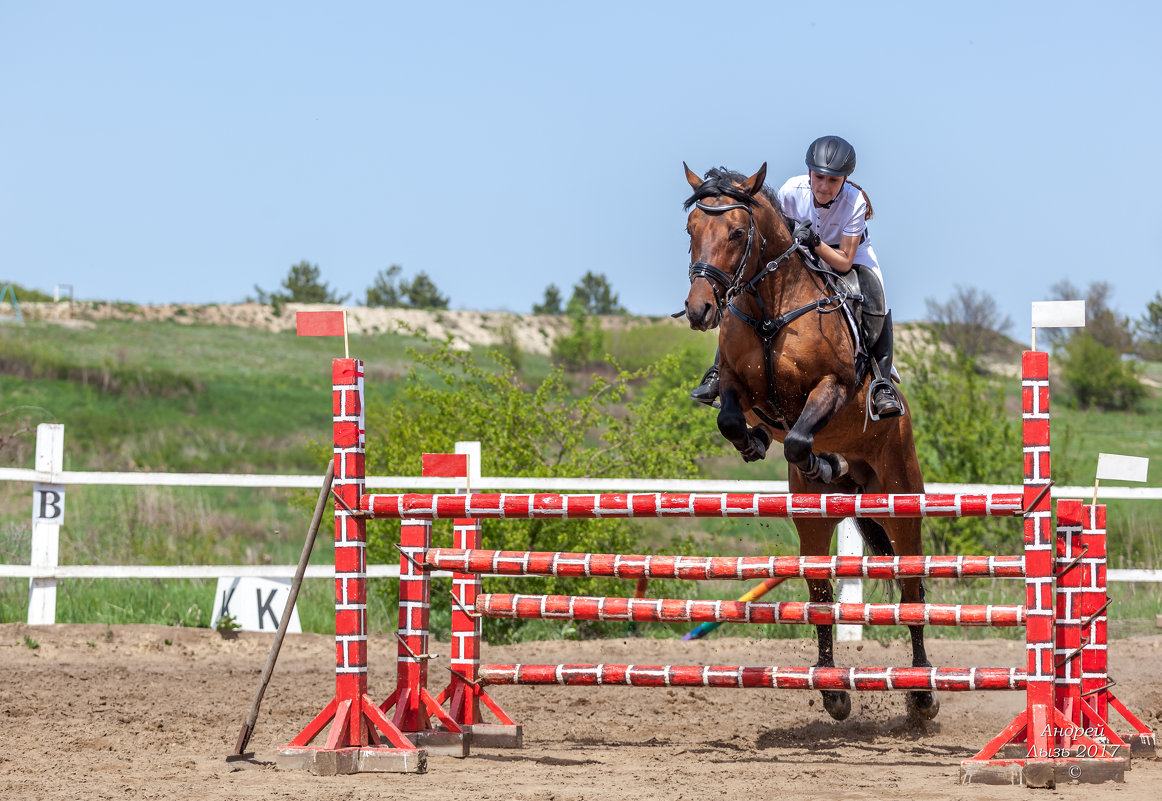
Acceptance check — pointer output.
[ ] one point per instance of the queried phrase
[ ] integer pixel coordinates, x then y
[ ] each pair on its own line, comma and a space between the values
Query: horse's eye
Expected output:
737, 233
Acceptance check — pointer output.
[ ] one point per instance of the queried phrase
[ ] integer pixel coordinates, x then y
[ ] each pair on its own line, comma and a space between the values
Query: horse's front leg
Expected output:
825, 400
752, 443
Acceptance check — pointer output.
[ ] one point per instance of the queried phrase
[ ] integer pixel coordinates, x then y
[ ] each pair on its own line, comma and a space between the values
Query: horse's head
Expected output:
723, 236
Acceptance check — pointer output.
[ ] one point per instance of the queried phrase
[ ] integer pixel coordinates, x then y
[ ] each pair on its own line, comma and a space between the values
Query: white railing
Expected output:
49, 480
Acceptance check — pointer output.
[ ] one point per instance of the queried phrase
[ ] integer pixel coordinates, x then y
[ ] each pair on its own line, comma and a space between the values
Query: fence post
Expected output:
48, 512
850, 590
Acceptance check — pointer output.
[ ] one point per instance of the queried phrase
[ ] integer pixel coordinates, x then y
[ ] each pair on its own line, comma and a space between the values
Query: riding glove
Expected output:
806, 234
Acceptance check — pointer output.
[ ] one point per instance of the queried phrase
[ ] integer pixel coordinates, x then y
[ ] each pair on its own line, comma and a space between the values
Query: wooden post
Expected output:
48, 512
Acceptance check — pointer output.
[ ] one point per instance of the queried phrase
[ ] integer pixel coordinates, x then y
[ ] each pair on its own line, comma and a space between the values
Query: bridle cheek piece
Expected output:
724, 285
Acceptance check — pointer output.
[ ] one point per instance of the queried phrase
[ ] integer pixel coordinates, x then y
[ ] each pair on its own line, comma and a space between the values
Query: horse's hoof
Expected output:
839, 465
817, 470
830, 467
755, 450
837, 704
923, 705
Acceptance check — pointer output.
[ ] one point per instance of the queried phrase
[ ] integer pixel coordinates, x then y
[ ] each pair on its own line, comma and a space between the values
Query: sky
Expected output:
186, 152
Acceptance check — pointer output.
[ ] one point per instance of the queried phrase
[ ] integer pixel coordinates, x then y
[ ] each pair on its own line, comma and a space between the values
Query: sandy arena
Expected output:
151, 712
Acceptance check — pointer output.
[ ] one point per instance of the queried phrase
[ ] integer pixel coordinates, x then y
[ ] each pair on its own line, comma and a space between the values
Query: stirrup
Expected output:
878, 387
707, 391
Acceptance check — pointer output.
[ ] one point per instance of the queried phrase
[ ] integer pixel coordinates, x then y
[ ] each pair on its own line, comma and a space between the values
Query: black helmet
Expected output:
831, 155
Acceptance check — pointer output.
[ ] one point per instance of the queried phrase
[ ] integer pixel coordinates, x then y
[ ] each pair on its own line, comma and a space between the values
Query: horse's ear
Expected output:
753, 184
693, 178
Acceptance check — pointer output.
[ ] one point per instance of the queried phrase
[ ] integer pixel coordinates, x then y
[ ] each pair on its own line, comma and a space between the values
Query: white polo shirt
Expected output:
845, 216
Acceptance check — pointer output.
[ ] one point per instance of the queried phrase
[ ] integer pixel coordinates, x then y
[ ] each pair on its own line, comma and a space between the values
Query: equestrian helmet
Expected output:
831, 155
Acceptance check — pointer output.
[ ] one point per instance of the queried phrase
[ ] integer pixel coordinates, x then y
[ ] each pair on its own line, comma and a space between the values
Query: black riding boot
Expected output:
885, 401
707, 391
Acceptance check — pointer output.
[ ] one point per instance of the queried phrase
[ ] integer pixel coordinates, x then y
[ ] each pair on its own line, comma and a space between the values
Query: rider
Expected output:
830, 214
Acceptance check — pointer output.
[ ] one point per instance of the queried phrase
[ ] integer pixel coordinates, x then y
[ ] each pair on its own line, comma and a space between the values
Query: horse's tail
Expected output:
875, 537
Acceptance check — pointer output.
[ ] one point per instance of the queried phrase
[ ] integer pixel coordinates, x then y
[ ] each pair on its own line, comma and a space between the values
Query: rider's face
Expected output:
825, 187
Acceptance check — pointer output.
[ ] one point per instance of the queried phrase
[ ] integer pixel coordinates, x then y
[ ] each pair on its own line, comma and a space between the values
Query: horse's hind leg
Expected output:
815, 540
905, 534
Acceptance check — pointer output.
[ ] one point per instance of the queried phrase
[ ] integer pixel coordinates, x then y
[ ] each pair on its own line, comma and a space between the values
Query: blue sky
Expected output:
166, 152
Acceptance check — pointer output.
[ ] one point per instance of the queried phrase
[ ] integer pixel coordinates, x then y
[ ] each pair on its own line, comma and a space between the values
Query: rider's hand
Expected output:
806, 234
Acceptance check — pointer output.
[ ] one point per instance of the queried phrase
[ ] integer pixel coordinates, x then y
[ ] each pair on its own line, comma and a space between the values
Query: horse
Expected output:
790, 371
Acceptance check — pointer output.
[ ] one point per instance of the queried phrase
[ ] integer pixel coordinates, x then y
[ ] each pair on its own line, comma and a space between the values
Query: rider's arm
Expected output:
839, 259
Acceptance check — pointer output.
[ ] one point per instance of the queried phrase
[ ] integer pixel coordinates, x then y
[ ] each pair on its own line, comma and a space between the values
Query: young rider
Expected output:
830, 214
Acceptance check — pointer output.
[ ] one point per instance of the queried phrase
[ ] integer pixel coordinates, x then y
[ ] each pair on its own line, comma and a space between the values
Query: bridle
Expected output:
726, 286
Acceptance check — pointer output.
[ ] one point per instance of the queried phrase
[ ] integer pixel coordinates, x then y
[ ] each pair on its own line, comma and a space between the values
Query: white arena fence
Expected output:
44, 570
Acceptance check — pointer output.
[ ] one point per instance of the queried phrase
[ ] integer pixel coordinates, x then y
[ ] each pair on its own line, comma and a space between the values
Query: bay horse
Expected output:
789, 371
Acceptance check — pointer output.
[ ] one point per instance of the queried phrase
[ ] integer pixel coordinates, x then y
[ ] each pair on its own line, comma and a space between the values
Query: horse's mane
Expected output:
721, 181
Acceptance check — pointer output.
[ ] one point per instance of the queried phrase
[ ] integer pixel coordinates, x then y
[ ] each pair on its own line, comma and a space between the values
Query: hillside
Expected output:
532, 333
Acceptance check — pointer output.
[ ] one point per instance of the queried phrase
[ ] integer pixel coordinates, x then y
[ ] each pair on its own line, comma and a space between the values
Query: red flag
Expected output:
321, 323
444, 465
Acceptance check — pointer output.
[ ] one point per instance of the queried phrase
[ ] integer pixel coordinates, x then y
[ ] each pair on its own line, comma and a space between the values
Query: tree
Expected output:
551, 303
1149, 328
1097, 376
422, 293
1105, 325
593, 295
301, 285
1111, 329
384, 291
970, 321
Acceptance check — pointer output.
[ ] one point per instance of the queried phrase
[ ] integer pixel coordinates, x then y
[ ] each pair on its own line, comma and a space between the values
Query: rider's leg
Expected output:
877, 330
884, 398
707, 391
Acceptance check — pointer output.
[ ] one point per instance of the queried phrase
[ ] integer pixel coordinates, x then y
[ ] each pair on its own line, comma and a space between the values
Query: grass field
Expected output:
194, 398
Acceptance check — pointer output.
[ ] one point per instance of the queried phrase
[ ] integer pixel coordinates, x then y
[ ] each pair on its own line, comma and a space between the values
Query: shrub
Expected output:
627, 425
583, 346
963, 435
1097, 375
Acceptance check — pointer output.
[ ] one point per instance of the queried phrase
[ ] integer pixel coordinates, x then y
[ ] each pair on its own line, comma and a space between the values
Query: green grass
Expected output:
200, 398
642, 345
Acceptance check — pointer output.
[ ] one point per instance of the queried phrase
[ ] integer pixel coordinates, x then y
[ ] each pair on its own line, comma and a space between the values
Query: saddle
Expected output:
849, 286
